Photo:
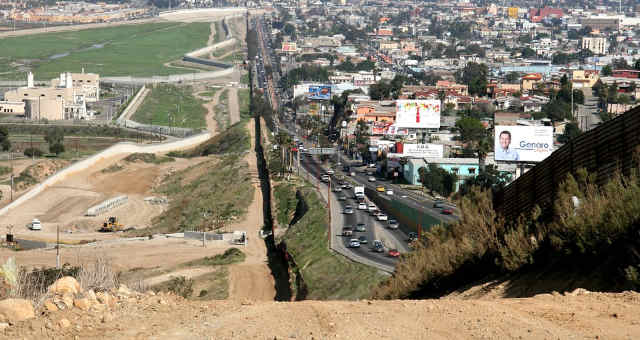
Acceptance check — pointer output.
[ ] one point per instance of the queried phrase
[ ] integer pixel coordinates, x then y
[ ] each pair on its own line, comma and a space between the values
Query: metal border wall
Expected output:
602, 151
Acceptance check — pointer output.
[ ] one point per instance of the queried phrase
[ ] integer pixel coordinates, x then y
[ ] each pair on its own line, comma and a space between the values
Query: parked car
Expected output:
35, 224
378, 247
394, 253
362, 206
447, 211
363, 239
393, 224
372, 179
347, 231
382, 217
354, 243
361, 227
380, 188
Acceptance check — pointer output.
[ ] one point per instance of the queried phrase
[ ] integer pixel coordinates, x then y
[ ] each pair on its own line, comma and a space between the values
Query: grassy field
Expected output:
234, 140
165, 100
327, 276
137, 50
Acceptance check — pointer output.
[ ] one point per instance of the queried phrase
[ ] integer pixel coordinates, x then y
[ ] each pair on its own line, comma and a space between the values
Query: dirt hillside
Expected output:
583, 316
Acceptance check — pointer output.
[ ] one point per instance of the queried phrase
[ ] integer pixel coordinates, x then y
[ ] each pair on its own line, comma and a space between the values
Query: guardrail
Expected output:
107, 205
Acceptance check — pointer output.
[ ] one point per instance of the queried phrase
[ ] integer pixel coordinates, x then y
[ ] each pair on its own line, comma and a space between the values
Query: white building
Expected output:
597, 45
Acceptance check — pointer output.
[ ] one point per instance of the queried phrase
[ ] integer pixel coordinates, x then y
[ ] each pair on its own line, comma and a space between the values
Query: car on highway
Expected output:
380, 188
393, 224
330, 172
372, 165
378, 247
372, 207
438, 204
394, 253
352, 174
361, 227
362, 206
336, 188
382, 217
389, 192
354, 243
371, 179
325, 178
347, 231
342, 198
347, 186
447, 211
348, 210
363, 240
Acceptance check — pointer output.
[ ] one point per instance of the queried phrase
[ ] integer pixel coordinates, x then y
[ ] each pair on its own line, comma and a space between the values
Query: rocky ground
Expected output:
124, 314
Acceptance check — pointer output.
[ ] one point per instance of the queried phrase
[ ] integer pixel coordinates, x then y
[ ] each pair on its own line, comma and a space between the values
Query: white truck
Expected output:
358, 192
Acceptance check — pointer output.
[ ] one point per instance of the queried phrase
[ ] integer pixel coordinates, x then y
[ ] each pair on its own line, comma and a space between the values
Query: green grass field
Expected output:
167, 99
136, 50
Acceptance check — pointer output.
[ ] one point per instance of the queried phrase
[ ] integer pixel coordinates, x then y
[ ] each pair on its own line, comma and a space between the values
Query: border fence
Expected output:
603, 151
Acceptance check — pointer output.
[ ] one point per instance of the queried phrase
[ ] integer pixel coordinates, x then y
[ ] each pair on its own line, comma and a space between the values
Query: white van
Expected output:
35, 224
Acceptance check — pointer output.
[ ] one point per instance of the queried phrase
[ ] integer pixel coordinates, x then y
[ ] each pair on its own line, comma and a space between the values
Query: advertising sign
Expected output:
289, 47
423, 150
394, 130
321, 92
423, 114
523, 143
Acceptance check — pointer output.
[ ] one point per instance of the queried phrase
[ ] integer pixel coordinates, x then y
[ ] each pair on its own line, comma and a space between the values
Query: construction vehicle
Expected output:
111, 225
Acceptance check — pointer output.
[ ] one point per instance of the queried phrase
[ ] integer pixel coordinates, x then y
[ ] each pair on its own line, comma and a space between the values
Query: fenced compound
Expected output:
611, 147
107, 205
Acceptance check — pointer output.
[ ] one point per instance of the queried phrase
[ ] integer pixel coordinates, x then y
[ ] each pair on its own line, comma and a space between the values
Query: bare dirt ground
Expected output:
252, 278
64, 204
234, 107
210, 104
201, 15
588, 316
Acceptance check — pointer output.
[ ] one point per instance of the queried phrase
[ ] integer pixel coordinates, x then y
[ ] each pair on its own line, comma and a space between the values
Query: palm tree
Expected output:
484, 146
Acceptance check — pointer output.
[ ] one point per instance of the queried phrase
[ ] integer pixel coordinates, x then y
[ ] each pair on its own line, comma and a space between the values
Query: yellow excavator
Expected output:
111, 225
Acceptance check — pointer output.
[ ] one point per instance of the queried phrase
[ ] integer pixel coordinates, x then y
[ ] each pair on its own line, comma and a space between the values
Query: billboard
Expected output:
321, 92
423, 114
523, 143
423, 150
393, 130
289, 47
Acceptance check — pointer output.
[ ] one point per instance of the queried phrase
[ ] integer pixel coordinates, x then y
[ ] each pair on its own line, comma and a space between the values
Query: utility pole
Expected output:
329, 211
58, 246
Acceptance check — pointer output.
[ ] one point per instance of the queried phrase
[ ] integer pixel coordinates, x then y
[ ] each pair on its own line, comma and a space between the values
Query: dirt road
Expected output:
252, 279
210, 105
234, 106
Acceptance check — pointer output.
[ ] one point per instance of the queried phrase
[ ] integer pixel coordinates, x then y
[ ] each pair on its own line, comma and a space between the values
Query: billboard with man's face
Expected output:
523, 143
320, 92
418, 114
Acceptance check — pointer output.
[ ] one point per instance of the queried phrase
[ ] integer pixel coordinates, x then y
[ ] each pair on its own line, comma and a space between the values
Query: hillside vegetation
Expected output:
595, 246
323, 275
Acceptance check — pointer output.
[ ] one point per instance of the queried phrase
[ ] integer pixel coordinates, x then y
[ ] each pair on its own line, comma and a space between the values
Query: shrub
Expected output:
181, 286
33, 152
